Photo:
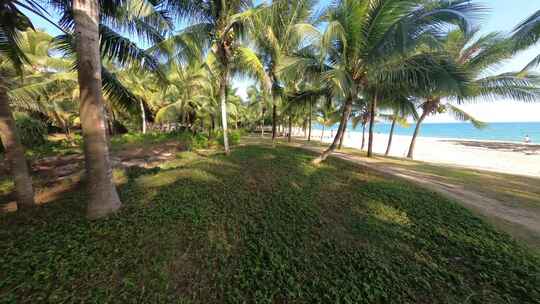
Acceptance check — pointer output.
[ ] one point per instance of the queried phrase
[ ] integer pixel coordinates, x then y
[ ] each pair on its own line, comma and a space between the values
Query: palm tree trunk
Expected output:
344, 118
363, 135
143, 117
310, 116
290, 128
223, 101
322, 134
390, 136
342, 136
415, 134
103, 198
371, 124
15, 152
274, 117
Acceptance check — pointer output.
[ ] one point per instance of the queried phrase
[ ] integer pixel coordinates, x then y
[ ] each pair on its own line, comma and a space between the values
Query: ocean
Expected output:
499, 131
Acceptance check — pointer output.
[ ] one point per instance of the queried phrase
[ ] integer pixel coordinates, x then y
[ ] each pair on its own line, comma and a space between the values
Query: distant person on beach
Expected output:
527, 139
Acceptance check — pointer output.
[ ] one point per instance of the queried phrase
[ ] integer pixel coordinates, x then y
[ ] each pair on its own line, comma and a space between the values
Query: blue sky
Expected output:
502, 17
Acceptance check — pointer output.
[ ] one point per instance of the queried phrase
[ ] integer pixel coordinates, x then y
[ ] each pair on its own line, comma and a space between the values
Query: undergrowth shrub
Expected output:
32, 132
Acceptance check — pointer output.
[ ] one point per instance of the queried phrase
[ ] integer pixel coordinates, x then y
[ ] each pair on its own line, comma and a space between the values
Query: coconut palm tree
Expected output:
12, 23
278, 30
401, 109
476, 58
327, 115
219, 27
103, 196
89, 36
360, 115
49, 83
372, 42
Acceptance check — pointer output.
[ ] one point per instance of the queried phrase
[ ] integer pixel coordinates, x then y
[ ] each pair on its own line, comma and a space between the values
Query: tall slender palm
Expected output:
477, 58
89, 36
103, 196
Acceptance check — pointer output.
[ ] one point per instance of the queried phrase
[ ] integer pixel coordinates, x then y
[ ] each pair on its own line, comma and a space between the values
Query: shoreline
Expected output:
498, 156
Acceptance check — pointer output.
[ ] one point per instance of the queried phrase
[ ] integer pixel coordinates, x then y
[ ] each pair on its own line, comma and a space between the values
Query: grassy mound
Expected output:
262, 226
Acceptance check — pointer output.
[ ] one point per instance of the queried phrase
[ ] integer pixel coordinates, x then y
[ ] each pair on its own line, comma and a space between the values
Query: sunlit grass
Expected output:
262, 225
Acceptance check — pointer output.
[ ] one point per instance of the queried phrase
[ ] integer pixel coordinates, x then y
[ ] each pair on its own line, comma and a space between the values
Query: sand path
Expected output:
520, 223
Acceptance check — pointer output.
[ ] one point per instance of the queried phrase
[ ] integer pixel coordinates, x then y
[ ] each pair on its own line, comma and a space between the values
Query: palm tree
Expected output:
259, 102
327, 116
279, 30
92, 39
49, 84
12, 58
220, 26
401, 109
476, 58
364, 47
360, 115
103, 196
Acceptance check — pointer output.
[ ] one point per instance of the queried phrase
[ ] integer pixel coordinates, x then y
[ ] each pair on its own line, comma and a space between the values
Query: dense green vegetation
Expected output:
263, 225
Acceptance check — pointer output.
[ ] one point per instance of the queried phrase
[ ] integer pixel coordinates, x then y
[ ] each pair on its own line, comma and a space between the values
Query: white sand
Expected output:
513, 158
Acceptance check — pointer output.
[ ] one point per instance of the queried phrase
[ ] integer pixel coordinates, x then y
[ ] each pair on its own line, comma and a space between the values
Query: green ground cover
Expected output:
262, 226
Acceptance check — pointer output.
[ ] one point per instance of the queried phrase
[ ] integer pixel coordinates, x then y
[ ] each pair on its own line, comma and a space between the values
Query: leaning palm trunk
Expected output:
344, 118
143, 117
415, 134
15, 152
341, 139
371, 124
428, 107
390, 136
103, 198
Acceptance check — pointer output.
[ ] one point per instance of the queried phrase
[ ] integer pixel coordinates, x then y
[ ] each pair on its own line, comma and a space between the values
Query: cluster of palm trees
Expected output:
348, 61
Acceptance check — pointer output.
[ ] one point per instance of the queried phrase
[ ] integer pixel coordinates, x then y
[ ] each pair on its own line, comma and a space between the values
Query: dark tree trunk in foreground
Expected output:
290, 129
371, 124
415, 134
15, 152
342, 137
390, 136
103, 198
344, 118
310, 116
274, 122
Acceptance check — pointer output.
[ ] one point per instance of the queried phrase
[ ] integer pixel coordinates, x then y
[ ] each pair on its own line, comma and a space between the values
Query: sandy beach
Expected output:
505, 157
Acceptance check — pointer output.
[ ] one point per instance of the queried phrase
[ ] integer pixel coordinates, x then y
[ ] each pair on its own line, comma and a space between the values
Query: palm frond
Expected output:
460, 114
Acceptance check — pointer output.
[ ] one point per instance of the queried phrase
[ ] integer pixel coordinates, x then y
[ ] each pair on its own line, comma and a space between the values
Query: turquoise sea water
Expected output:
501, 131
